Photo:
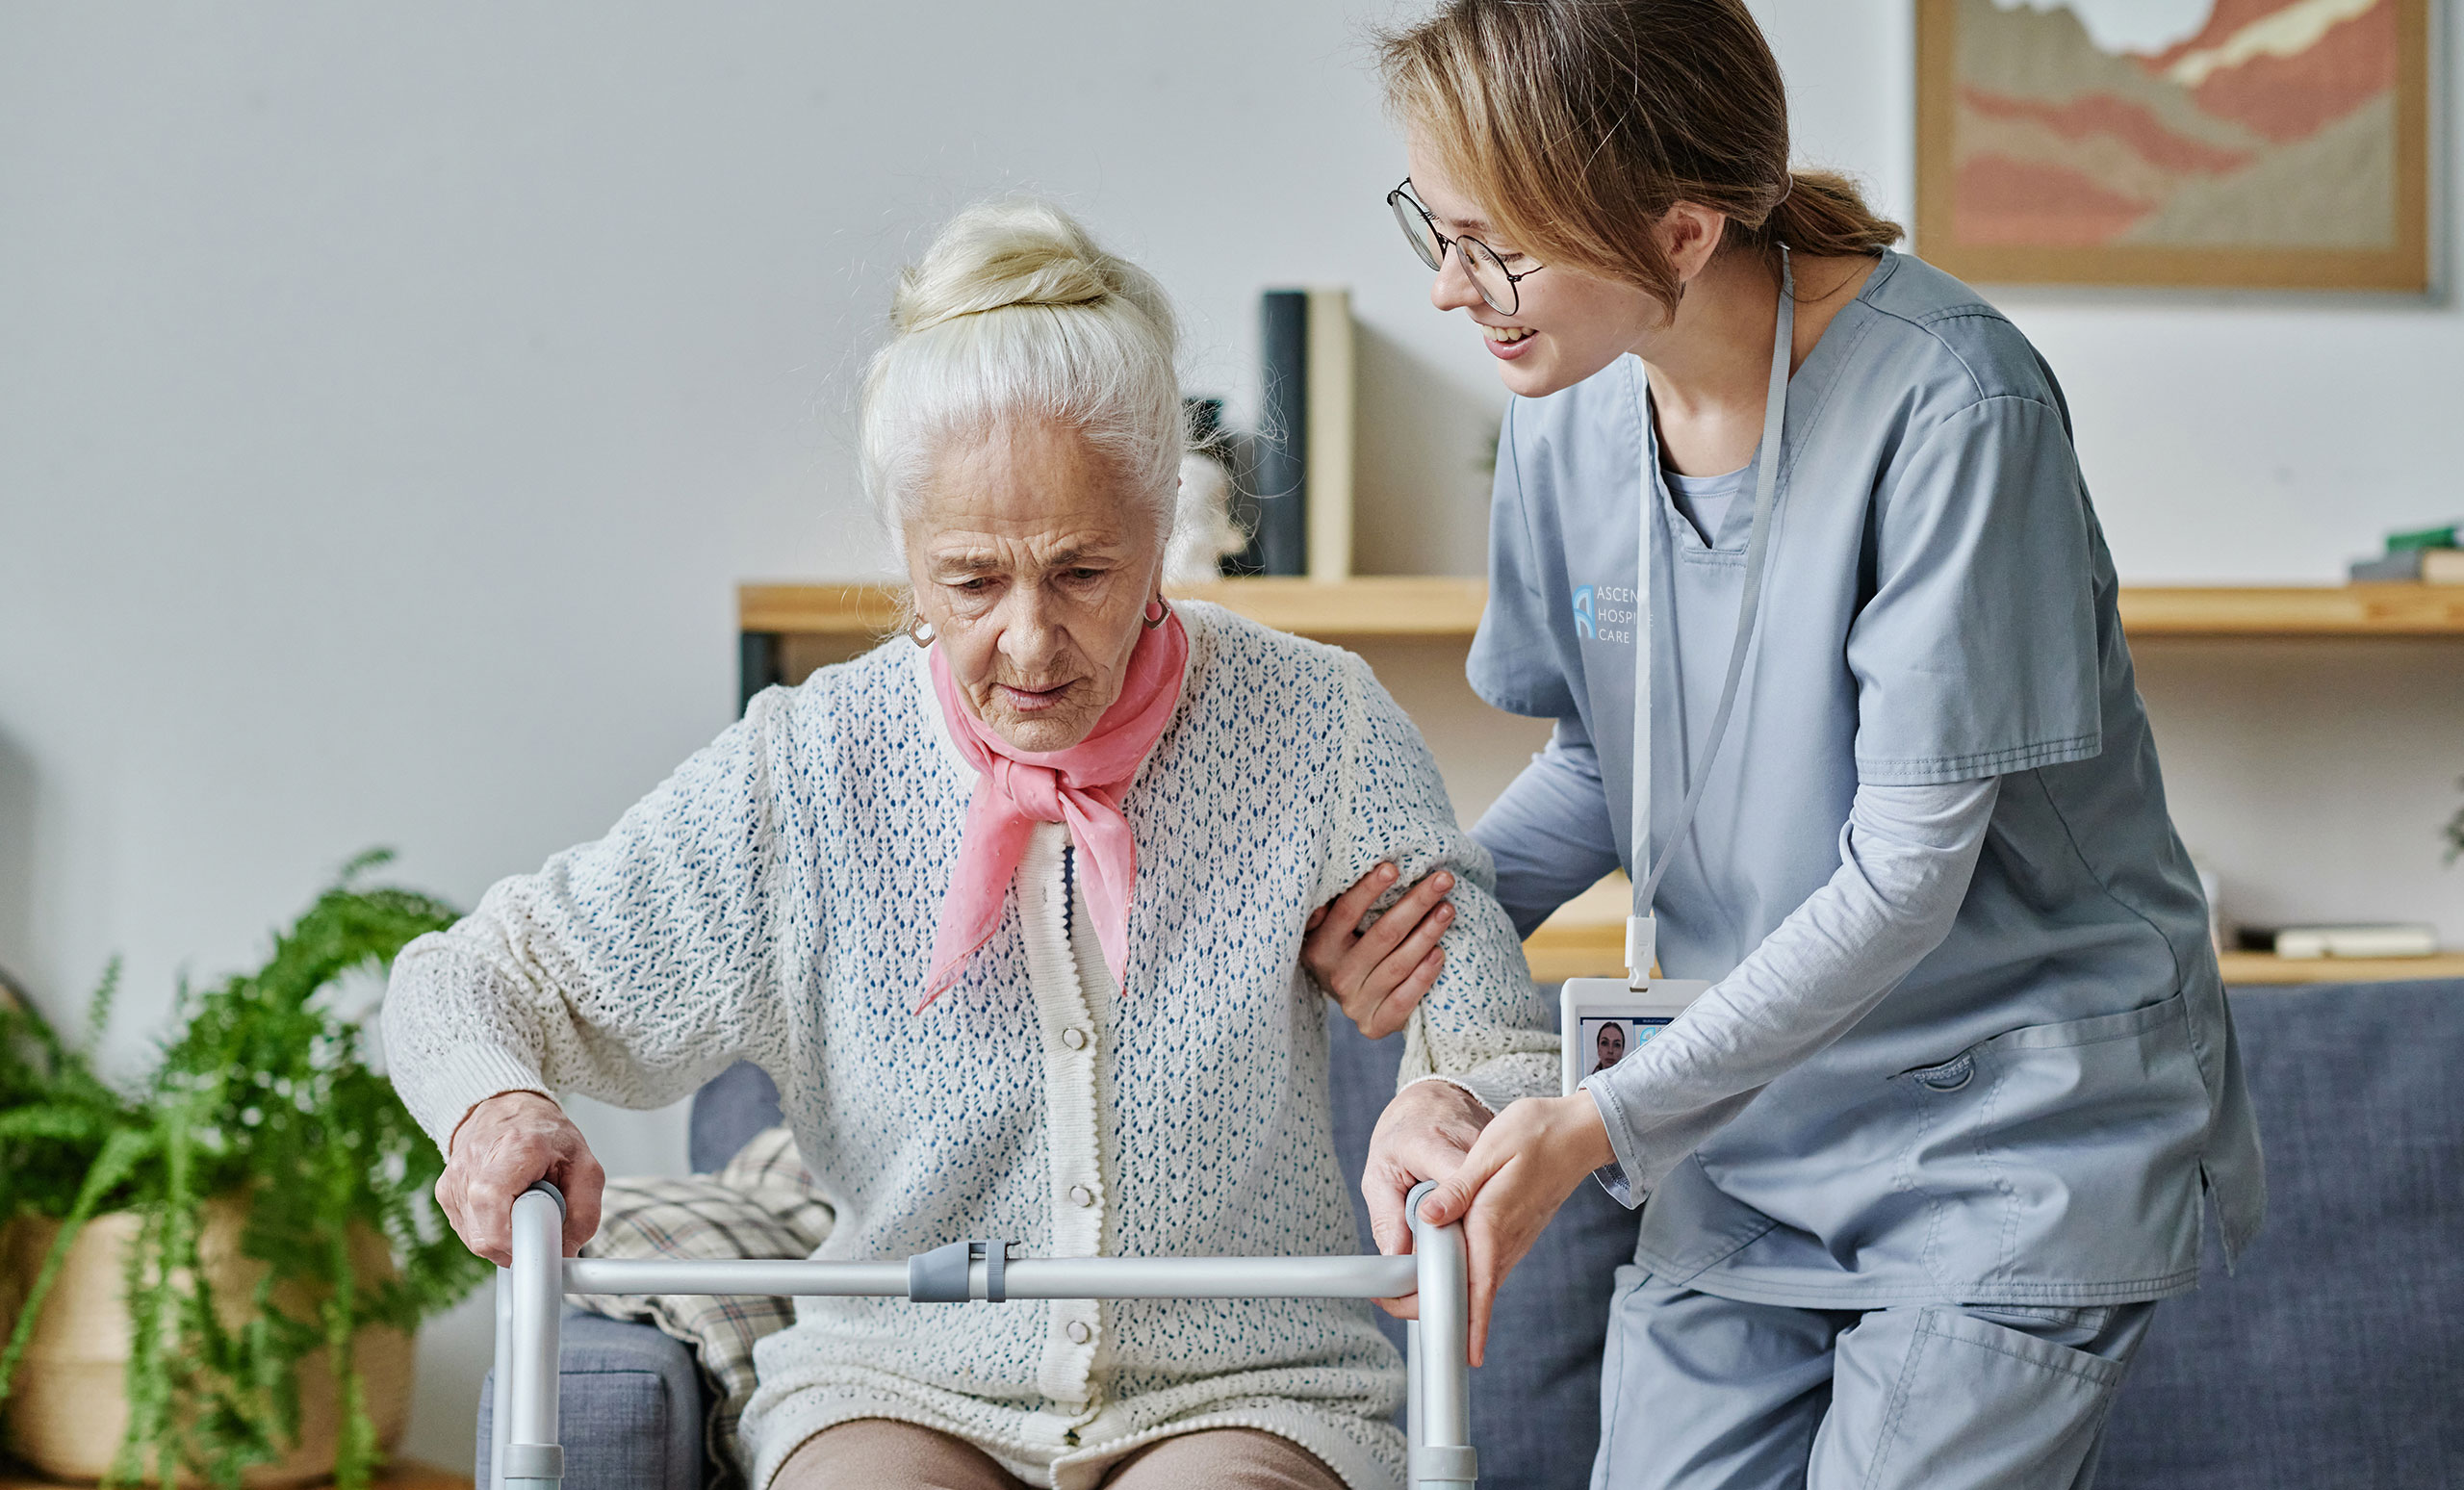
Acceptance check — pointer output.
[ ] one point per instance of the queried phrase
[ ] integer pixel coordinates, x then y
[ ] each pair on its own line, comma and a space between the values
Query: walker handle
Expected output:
531, 1300
1439, 1363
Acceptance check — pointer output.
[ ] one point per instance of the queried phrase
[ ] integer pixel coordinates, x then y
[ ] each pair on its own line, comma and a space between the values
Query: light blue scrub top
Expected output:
2037, 1113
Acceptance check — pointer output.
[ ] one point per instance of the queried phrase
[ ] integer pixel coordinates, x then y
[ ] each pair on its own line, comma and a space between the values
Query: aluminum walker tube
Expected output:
528, 1457
500, 1421
1024, 1277
529, 1298
1441, 1385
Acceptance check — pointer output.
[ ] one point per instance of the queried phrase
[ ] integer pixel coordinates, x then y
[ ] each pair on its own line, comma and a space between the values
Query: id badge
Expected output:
1604, 1020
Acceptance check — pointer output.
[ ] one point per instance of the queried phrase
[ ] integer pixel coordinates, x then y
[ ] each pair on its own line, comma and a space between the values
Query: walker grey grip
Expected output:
946, 1275
535, 1461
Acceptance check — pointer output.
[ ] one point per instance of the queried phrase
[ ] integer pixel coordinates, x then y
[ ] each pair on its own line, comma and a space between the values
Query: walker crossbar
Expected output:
530, 1304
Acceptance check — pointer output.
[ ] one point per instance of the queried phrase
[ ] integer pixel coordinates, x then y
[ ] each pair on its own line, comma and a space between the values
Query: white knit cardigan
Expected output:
775, 900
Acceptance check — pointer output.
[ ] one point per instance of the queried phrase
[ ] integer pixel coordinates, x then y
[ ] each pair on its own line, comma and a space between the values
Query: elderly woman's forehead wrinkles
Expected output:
1047, 550
965, 560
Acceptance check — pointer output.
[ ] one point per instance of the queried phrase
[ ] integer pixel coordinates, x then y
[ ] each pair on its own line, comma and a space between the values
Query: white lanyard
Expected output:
1642, 932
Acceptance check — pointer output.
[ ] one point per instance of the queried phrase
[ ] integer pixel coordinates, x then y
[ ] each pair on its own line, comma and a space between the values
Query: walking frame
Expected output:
526, 1455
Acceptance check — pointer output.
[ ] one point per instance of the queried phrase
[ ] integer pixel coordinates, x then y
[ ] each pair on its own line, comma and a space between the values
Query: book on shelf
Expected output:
1332, 388
2448, 537
2396, 938
1279, 471
2411, 566
2423, 555
1302, 474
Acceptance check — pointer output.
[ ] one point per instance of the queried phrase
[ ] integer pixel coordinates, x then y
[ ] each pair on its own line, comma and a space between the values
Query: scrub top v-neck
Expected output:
2037, 1113
1705, 501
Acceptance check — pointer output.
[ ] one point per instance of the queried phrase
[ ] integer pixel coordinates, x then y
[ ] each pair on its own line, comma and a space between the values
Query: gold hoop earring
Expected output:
1162, 613
920, 631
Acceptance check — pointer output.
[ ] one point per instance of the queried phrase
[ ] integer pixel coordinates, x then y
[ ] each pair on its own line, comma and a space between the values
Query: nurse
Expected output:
1921, 1161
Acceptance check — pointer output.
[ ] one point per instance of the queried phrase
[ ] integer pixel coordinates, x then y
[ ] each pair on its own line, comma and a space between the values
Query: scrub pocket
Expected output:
2061, 1160
1973, 1399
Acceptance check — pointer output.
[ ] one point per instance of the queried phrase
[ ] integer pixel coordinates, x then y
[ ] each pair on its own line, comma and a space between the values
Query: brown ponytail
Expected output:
1825, 215
1578, 123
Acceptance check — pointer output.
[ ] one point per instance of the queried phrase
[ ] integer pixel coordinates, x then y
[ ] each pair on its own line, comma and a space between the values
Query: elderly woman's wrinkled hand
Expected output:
504, 1145
1380, 972
1424, 1134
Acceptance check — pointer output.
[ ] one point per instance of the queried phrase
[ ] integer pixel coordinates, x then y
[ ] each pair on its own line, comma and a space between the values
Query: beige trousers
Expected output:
879, 1453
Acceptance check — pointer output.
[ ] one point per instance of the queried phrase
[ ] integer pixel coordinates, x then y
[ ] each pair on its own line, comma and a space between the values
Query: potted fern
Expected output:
255, 1215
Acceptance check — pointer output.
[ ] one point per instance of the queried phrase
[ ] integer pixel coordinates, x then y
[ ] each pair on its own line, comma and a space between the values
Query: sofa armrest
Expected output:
629, 1412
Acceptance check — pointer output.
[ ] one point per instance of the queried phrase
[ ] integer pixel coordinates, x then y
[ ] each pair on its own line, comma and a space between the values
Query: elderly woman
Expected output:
1075, 829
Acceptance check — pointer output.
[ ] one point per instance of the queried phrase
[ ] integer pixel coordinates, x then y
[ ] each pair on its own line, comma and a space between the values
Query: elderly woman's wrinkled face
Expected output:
1033, 561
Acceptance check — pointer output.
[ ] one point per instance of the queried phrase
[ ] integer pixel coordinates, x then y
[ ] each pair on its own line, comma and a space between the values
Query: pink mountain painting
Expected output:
2274, 127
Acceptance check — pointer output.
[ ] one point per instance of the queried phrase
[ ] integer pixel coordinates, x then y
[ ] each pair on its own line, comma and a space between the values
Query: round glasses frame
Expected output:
1480, 262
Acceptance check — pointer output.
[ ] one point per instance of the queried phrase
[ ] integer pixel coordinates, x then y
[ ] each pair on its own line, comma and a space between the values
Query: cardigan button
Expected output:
1074, 1038
1079, 1334
1081, 1196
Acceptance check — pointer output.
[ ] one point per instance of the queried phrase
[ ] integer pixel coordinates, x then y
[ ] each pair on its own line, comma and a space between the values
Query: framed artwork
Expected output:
2277, 144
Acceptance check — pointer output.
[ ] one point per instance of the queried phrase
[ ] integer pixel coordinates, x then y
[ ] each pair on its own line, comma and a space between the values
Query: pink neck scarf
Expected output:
1014, 789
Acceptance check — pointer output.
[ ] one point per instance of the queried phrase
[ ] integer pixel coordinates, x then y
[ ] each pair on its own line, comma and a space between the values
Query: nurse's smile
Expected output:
1506, 343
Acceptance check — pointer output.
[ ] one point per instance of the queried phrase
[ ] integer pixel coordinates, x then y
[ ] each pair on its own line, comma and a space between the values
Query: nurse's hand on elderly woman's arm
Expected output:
503, 1146
1380, 972
1503, 1178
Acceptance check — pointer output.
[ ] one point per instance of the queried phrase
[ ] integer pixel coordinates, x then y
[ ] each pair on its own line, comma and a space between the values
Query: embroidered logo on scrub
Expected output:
1604, 612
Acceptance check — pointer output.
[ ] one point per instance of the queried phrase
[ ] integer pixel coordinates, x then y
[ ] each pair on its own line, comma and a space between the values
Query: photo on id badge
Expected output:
1606, 1021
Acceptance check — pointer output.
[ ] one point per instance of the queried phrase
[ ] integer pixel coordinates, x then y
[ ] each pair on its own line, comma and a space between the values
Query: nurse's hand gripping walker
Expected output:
1642, 1000
531, 1301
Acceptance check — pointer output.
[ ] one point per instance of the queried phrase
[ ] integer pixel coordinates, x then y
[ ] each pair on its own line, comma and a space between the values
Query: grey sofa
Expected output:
2335, 1357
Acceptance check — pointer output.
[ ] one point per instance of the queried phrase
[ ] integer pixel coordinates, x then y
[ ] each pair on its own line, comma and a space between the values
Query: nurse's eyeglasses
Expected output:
1498, 285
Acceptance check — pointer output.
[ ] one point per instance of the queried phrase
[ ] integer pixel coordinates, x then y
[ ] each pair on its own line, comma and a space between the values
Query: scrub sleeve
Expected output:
1977, 654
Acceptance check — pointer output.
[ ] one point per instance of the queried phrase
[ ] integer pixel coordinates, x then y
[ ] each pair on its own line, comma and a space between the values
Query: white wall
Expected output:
390, 399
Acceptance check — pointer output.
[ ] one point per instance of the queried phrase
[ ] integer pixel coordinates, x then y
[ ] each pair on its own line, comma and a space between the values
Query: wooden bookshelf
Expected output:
816, 609
1440, 607
2245, 968
2294, 610
1586, 938
1430, 605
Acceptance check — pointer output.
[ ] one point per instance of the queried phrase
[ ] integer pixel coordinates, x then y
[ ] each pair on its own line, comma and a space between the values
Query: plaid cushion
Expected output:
760, 1205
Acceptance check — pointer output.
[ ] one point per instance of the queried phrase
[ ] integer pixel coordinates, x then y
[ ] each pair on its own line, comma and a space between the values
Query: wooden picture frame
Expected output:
2136, 200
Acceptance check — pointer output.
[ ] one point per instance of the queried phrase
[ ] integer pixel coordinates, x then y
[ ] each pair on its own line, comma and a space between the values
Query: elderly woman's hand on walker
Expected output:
504, 1145
1503, 1178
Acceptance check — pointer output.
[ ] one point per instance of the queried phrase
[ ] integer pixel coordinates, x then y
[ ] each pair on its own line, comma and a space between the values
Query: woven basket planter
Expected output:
70, 1410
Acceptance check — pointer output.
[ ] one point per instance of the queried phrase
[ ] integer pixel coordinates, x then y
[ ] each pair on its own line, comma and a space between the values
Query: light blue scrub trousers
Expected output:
1702, 1393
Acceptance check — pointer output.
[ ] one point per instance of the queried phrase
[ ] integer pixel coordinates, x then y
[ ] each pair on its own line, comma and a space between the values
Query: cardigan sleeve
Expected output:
1483, 1026
630, 969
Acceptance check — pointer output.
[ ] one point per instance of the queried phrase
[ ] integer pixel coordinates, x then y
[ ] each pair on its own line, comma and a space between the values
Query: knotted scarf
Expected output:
1081, 785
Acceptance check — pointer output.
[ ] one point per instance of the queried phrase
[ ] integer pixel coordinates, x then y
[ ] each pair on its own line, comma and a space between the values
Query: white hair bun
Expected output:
1014, 313
1018, 252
